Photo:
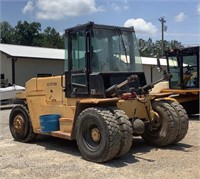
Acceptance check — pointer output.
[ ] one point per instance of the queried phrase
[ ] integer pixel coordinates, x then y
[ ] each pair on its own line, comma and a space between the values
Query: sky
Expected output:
182, 16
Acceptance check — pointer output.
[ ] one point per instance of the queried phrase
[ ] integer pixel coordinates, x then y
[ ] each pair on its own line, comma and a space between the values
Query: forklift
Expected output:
101, 100
183, 64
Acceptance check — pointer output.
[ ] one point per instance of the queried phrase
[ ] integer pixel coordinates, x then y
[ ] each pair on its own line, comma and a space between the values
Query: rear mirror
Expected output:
159, 68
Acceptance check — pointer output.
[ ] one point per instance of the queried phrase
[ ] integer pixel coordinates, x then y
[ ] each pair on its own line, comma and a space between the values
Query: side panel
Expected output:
46, 96
38, 106
134, 108
35, 110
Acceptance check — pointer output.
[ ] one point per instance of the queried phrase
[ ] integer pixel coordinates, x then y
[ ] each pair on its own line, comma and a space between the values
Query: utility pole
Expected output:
162, 20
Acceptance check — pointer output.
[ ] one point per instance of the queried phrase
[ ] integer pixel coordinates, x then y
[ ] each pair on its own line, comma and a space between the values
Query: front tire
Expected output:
163, 131
20, 124
183, 121
126, 131
97, 134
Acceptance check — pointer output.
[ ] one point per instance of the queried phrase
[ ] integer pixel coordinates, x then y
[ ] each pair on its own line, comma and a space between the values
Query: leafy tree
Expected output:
175, 44
30, 34
148, 48
142, 44
52, 39
7, 33
27, 34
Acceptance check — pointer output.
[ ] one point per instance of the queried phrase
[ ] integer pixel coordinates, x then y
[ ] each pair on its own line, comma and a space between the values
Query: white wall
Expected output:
6, 67
26, 69
156, 75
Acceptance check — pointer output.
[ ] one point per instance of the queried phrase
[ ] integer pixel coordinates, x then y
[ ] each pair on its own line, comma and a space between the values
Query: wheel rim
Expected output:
92, 136
18, 124
96, 135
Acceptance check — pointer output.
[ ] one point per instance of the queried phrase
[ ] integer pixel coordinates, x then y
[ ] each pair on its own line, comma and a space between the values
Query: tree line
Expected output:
31, 34
148, 48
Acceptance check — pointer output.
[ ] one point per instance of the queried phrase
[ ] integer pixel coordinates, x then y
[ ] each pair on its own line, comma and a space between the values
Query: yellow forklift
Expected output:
101, 100
183, 64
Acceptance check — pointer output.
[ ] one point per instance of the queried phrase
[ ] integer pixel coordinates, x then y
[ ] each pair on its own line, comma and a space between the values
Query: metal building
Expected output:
20, 63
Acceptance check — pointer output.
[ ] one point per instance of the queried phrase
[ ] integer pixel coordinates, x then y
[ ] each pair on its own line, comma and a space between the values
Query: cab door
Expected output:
77, 75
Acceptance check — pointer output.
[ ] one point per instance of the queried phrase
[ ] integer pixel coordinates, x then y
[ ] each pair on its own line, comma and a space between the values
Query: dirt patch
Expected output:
49, 157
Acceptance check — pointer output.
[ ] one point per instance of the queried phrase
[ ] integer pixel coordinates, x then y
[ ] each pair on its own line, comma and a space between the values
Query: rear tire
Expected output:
20, 124
165, 131
126, 131
97, 134
183, 121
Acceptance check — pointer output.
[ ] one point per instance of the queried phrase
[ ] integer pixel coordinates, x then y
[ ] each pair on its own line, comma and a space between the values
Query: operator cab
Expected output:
183, 64
98, 57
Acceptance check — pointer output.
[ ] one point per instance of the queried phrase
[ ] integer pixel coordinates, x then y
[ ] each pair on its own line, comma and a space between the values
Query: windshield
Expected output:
184, 70
115, 50
190, 69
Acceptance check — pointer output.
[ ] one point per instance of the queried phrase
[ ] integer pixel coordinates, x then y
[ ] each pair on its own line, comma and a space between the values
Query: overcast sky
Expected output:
182, 16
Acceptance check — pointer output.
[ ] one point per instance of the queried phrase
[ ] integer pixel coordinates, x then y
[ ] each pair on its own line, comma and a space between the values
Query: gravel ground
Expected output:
50, 157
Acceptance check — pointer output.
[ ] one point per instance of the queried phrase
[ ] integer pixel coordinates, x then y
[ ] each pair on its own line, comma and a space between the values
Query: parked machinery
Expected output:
101, 99
183, 64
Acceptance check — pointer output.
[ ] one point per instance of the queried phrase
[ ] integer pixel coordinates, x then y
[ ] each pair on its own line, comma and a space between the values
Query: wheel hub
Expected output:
96, 135
156, 121
18, 123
